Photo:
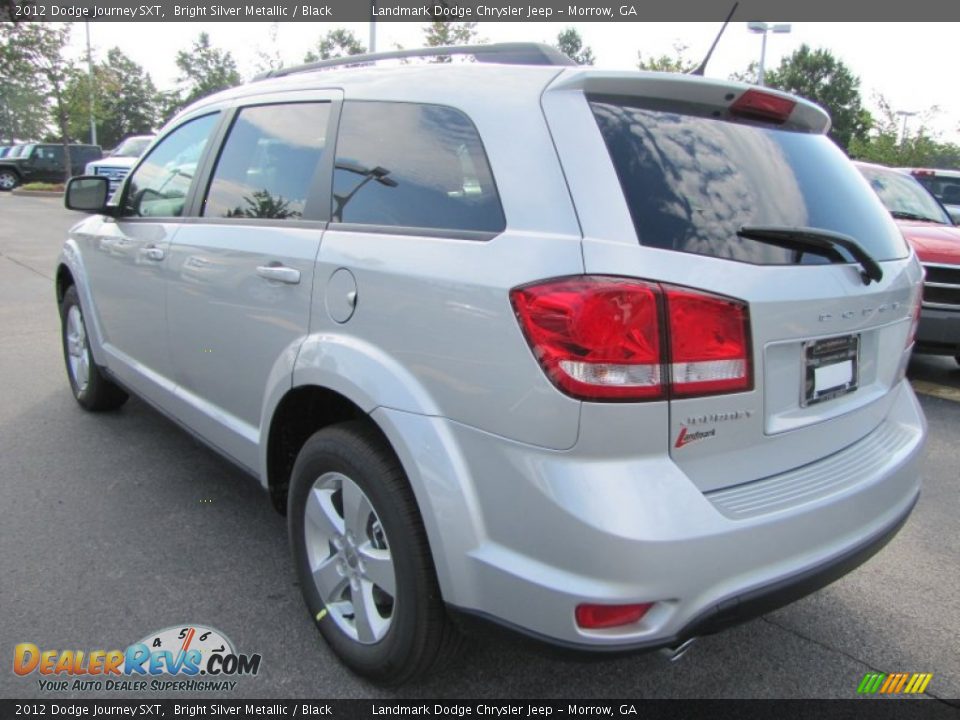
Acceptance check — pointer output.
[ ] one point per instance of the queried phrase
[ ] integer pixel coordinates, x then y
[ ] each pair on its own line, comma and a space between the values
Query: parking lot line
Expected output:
944, 392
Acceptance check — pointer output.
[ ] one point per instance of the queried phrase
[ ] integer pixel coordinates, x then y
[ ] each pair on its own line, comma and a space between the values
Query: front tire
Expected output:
90, 388
8, 180
362, 557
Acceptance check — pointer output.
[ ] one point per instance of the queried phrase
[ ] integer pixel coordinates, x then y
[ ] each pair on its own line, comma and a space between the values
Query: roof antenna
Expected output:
703, 66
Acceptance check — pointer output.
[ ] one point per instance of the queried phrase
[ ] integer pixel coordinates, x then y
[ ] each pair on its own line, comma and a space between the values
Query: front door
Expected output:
127, 260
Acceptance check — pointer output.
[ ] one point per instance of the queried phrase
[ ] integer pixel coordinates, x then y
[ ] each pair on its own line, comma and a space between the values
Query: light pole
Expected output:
903, 133
373, 27
93, 121
764, 28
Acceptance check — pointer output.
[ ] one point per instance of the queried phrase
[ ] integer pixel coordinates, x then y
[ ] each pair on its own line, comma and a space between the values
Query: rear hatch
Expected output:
738, 193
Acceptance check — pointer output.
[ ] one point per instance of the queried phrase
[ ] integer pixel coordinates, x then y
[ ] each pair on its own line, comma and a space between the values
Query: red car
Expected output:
928, 228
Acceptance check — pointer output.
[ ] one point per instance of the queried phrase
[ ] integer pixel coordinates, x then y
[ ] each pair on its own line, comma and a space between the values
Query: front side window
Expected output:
159, 186
416, 166
268, 162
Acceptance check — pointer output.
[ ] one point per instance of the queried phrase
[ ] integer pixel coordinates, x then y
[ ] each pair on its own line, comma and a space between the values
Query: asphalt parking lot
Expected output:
116, 525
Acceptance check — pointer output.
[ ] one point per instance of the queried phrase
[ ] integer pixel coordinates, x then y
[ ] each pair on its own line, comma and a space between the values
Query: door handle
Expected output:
280, 273
153, 253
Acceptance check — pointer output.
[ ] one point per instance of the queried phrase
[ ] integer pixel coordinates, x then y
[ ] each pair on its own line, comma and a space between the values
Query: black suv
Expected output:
43, 162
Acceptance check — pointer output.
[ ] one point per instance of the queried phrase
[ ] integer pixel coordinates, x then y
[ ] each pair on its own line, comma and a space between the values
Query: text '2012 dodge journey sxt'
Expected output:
613, 359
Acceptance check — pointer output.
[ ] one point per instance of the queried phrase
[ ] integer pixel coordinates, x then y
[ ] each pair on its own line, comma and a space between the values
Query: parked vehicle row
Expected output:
613, 359
43, 162
944, 185
117, 163
930, 230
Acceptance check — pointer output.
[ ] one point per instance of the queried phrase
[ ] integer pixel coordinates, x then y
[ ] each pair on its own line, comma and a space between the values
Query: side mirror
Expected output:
88, 193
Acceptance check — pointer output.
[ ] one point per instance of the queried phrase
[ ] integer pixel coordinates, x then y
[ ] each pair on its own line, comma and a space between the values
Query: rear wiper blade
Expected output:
805, 238
903, 215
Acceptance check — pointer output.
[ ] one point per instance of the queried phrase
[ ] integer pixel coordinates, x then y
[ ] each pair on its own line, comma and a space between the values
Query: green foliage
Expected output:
819, 76
438, 34
746, 76
269, 58
126, 101
336, 43
204, 70
570, 44
42, 186
34, 69
678, 62
884, 144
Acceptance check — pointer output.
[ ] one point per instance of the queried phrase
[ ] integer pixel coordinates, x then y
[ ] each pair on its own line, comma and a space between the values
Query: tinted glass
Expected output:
692, 182
132, 147
159, 187
903, 196
417, 166
268, 162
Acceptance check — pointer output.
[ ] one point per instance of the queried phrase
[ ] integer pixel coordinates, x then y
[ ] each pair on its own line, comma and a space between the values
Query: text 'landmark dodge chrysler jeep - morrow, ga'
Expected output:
612, 359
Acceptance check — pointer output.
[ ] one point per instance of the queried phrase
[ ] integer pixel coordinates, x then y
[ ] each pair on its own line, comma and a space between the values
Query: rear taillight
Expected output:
764, 106
608, 338
709, 343
596, 337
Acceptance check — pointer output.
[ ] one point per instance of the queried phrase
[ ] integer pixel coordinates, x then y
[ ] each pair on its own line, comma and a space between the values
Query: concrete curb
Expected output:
37, 193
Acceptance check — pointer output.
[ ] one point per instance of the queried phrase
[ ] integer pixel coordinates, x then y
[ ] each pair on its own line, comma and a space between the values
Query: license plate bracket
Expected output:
831, 368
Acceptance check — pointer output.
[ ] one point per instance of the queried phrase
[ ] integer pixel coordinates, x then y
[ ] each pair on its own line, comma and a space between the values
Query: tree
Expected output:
36, 68
920, 148
19, 92
570, 44
204, 70
746, 76
438, 34
269, 58
336, 43
127, 100
665, 63
819, 76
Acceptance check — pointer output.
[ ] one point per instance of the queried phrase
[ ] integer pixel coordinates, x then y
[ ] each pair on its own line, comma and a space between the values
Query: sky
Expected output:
905, 62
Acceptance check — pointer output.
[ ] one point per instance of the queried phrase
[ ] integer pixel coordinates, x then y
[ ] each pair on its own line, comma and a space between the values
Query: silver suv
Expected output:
612, 359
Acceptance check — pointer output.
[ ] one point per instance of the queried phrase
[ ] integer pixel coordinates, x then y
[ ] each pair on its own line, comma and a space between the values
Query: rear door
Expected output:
241, 274
667, 181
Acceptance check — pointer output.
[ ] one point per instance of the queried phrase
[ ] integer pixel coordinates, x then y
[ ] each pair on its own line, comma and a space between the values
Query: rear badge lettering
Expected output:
718, 417
686, 437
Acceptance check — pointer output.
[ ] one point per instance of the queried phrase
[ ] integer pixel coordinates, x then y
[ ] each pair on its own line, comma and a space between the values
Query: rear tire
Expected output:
362, 557
91, 389
8, 180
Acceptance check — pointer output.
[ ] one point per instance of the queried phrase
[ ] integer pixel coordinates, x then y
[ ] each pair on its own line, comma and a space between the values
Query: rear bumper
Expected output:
939, 331
528, 534
738, 608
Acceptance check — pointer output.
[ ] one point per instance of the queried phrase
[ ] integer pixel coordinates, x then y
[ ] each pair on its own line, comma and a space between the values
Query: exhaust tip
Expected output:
673, 654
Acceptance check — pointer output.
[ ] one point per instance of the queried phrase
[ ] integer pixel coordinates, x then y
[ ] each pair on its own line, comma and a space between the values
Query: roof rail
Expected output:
517, 53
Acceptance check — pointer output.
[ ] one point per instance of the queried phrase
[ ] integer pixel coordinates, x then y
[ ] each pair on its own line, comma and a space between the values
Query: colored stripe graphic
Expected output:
871, 683
894, 683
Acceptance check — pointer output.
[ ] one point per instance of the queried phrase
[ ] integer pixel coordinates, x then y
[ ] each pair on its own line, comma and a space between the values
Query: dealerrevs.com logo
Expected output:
185, 658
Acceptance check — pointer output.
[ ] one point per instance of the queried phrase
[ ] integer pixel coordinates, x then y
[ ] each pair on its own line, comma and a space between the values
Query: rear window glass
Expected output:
415, 166
692, 182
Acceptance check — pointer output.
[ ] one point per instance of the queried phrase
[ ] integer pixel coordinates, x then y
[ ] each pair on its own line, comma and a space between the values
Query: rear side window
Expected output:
692, 182
413, 166
268, 163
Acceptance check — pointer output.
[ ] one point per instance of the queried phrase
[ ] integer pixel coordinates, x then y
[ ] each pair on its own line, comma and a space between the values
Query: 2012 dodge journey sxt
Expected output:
613, 359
